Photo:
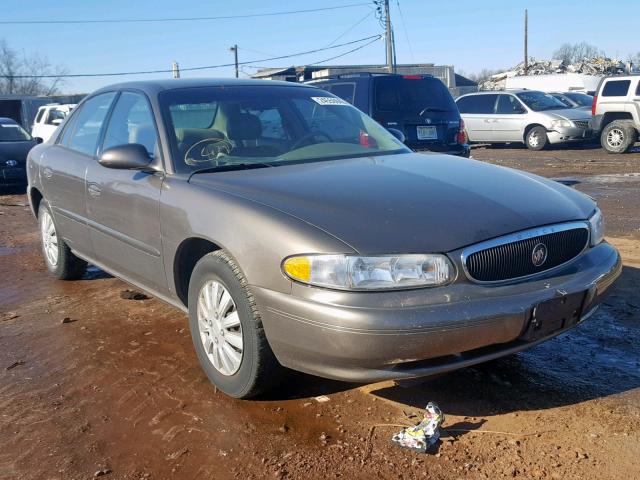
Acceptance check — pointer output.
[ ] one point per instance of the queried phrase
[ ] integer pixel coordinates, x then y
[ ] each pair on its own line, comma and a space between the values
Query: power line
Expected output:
181, 19
406, 34
146, 72
351, 28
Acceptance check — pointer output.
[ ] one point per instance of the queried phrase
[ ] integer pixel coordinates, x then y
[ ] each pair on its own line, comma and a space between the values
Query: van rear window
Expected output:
412, 96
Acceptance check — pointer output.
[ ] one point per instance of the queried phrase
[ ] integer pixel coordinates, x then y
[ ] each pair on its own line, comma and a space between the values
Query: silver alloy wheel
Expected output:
219, 327
534, 139
49, 238
615, 137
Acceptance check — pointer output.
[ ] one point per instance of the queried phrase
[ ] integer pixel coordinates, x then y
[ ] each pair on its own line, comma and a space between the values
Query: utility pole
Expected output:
391, 64
175, 70
526, 41
234, 49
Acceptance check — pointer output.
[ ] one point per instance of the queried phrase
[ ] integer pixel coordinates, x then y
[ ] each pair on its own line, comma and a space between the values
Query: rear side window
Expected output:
132, 122
638, 89
88, 124
345, 91
477, 104
616, 88
39, 116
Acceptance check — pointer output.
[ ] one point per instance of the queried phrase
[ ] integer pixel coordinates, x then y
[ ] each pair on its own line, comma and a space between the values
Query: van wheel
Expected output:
227, 331
58, 257
618, 136
536, 138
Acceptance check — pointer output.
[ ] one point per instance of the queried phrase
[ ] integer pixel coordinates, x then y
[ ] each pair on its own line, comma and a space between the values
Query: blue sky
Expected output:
470, 35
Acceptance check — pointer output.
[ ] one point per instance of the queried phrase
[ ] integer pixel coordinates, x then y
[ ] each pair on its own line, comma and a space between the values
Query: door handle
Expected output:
48, 173
94, 190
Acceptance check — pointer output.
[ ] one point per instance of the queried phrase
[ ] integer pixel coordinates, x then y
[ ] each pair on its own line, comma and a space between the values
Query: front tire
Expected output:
536, 138
618, 136
58, 257
227, 331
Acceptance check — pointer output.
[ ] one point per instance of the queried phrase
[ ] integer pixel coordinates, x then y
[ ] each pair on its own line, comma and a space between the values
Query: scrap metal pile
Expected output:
591, 66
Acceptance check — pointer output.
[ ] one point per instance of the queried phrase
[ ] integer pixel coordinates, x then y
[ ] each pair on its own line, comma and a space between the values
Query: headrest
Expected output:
244, 126
191, 136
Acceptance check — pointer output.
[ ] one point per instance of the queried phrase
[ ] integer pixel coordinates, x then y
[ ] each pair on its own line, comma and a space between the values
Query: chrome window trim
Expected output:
523, 235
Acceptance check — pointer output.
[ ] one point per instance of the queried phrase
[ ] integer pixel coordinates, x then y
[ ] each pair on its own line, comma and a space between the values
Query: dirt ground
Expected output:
95, 383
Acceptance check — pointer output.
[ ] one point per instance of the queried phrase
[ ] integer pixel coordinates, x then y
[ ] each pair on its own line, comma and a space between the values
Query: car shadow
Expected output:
12, 190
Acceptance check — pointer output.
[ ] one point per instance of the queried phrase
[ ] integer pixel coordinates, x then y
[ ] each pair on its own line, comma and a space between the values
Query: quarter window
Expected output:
477, 104
345, 91
88, 124
132, 122
616, 88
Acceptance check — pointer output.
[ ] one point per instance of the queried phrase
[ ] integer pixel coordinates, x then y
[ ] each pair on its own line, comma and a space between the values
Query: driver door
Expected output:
123, 205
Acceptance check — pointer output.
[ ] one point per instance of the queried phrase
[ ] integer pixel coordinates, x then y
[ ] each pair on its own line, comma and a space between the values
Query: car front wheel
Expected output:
226, 329
58, 257
536, 138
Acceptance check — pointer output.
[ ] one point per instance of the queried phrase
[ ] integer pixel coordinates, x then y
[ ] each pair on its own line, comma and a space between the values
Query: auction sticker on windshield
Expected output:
329, 101
427, 133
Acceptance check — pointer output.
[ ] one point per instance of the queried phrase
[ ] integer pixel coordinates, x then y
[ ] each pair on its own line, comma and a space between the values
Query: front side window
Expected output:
509, 105
478, 104
540, 101
88, 124
132, 122
266, 126
55, 117
12, 132
616, 88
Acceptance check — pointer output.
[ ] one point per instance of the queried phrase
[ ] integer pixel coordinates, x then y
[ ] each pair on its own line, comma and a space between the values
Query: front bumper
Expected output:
13, 176
569, 134
372, 336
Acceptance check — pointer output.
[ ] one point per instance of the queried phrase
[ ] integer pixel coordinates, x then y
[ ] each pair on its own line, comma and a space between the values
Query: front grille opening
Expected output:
515, 259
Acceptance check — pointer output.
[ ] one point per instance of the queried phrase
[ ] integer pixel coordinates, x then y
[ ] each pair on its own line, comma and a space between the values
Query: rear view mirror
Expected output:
131, 156
397, 133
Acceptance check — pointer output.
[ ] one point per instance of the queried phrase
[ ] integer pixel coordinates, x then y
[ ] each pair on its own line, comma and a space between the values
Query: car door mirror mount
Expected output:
131, 156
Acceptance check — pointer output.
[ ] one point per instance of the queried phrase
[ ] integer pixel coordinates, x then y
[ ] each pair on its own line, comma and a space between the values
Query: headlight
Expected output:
370, 273
596, 225
560, 123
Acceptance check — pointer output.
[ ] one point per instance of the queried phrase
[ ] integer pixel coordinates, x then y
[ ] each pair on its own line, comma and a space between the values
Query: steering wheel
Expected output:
310, 136
208, 150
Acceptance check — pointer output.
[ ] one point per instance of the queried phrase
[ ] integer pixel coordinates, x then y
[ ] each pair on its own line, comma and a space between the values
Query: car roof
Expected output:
7, 120
153, 87
496, 92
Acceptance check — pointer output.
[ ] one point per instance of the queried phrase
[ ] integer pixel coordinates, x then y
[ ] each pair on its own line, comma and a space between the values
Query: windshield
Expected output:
413, 95
565, 101
222, 128
581, 99
12, 132
540, 101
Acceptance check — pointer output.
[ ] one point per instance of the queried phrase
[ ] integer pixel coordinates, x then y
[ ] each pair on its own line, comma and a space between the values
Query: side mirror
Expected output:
397, 133
38, 140
131, 156
56, 121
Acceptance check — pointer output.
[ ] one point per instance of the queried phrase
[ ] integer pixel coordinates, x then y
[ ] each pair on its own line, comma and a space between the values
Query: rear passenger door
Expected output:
508, 125
123, 205
63, 168
478, 113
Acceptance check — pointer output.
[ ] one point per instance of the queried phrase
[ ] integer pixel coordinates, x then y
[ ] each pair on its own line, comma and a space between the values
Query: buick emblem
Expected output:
539, 254
11, 163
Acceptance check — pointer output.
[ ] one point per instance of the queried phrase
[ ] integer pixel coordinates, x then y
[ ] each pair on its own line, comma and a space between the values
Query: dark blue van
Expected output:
420, 106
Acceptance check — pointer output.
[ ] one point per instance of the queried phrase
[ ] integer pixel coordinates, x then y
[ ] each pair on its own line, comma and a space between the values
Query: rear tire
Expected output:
618, 136
58, 257
227, 332
536, 138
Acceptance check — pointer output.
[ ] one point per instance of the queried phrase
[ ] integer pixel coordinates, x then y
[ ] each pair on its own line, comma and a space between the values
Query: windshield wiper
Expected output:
233, 166
433, 109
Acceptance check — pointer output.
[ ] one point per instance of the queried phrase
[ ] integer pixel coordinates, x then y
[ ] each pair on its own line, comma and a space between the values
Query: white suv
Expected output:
48, 118
616, 112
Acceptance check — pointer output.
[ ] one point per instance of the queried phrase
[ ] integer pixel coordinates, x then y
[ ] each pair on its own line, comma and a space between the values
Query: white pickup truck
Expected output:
48, 118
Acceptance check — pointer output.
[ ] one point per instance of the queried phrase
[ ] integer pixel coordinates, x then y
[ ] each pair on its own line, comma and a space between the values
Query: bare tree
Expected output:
483, 75
575, 52
19, 73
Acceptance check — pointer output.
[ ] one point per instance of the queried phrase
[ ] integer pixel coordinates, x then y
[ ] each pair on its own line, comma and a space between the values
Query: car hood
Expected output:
15, 150
572, 113
409, 202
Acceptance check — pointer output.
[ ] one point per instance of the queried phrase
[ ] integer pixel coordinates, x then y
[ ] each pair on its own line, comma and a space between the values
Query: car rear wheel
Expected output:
227, 331
536, 138
58, 257
618, 136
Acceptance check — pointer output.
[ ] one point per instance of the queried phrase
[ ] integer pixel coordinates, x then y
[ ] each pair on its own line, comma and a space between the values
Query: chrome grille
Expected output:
512, 257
